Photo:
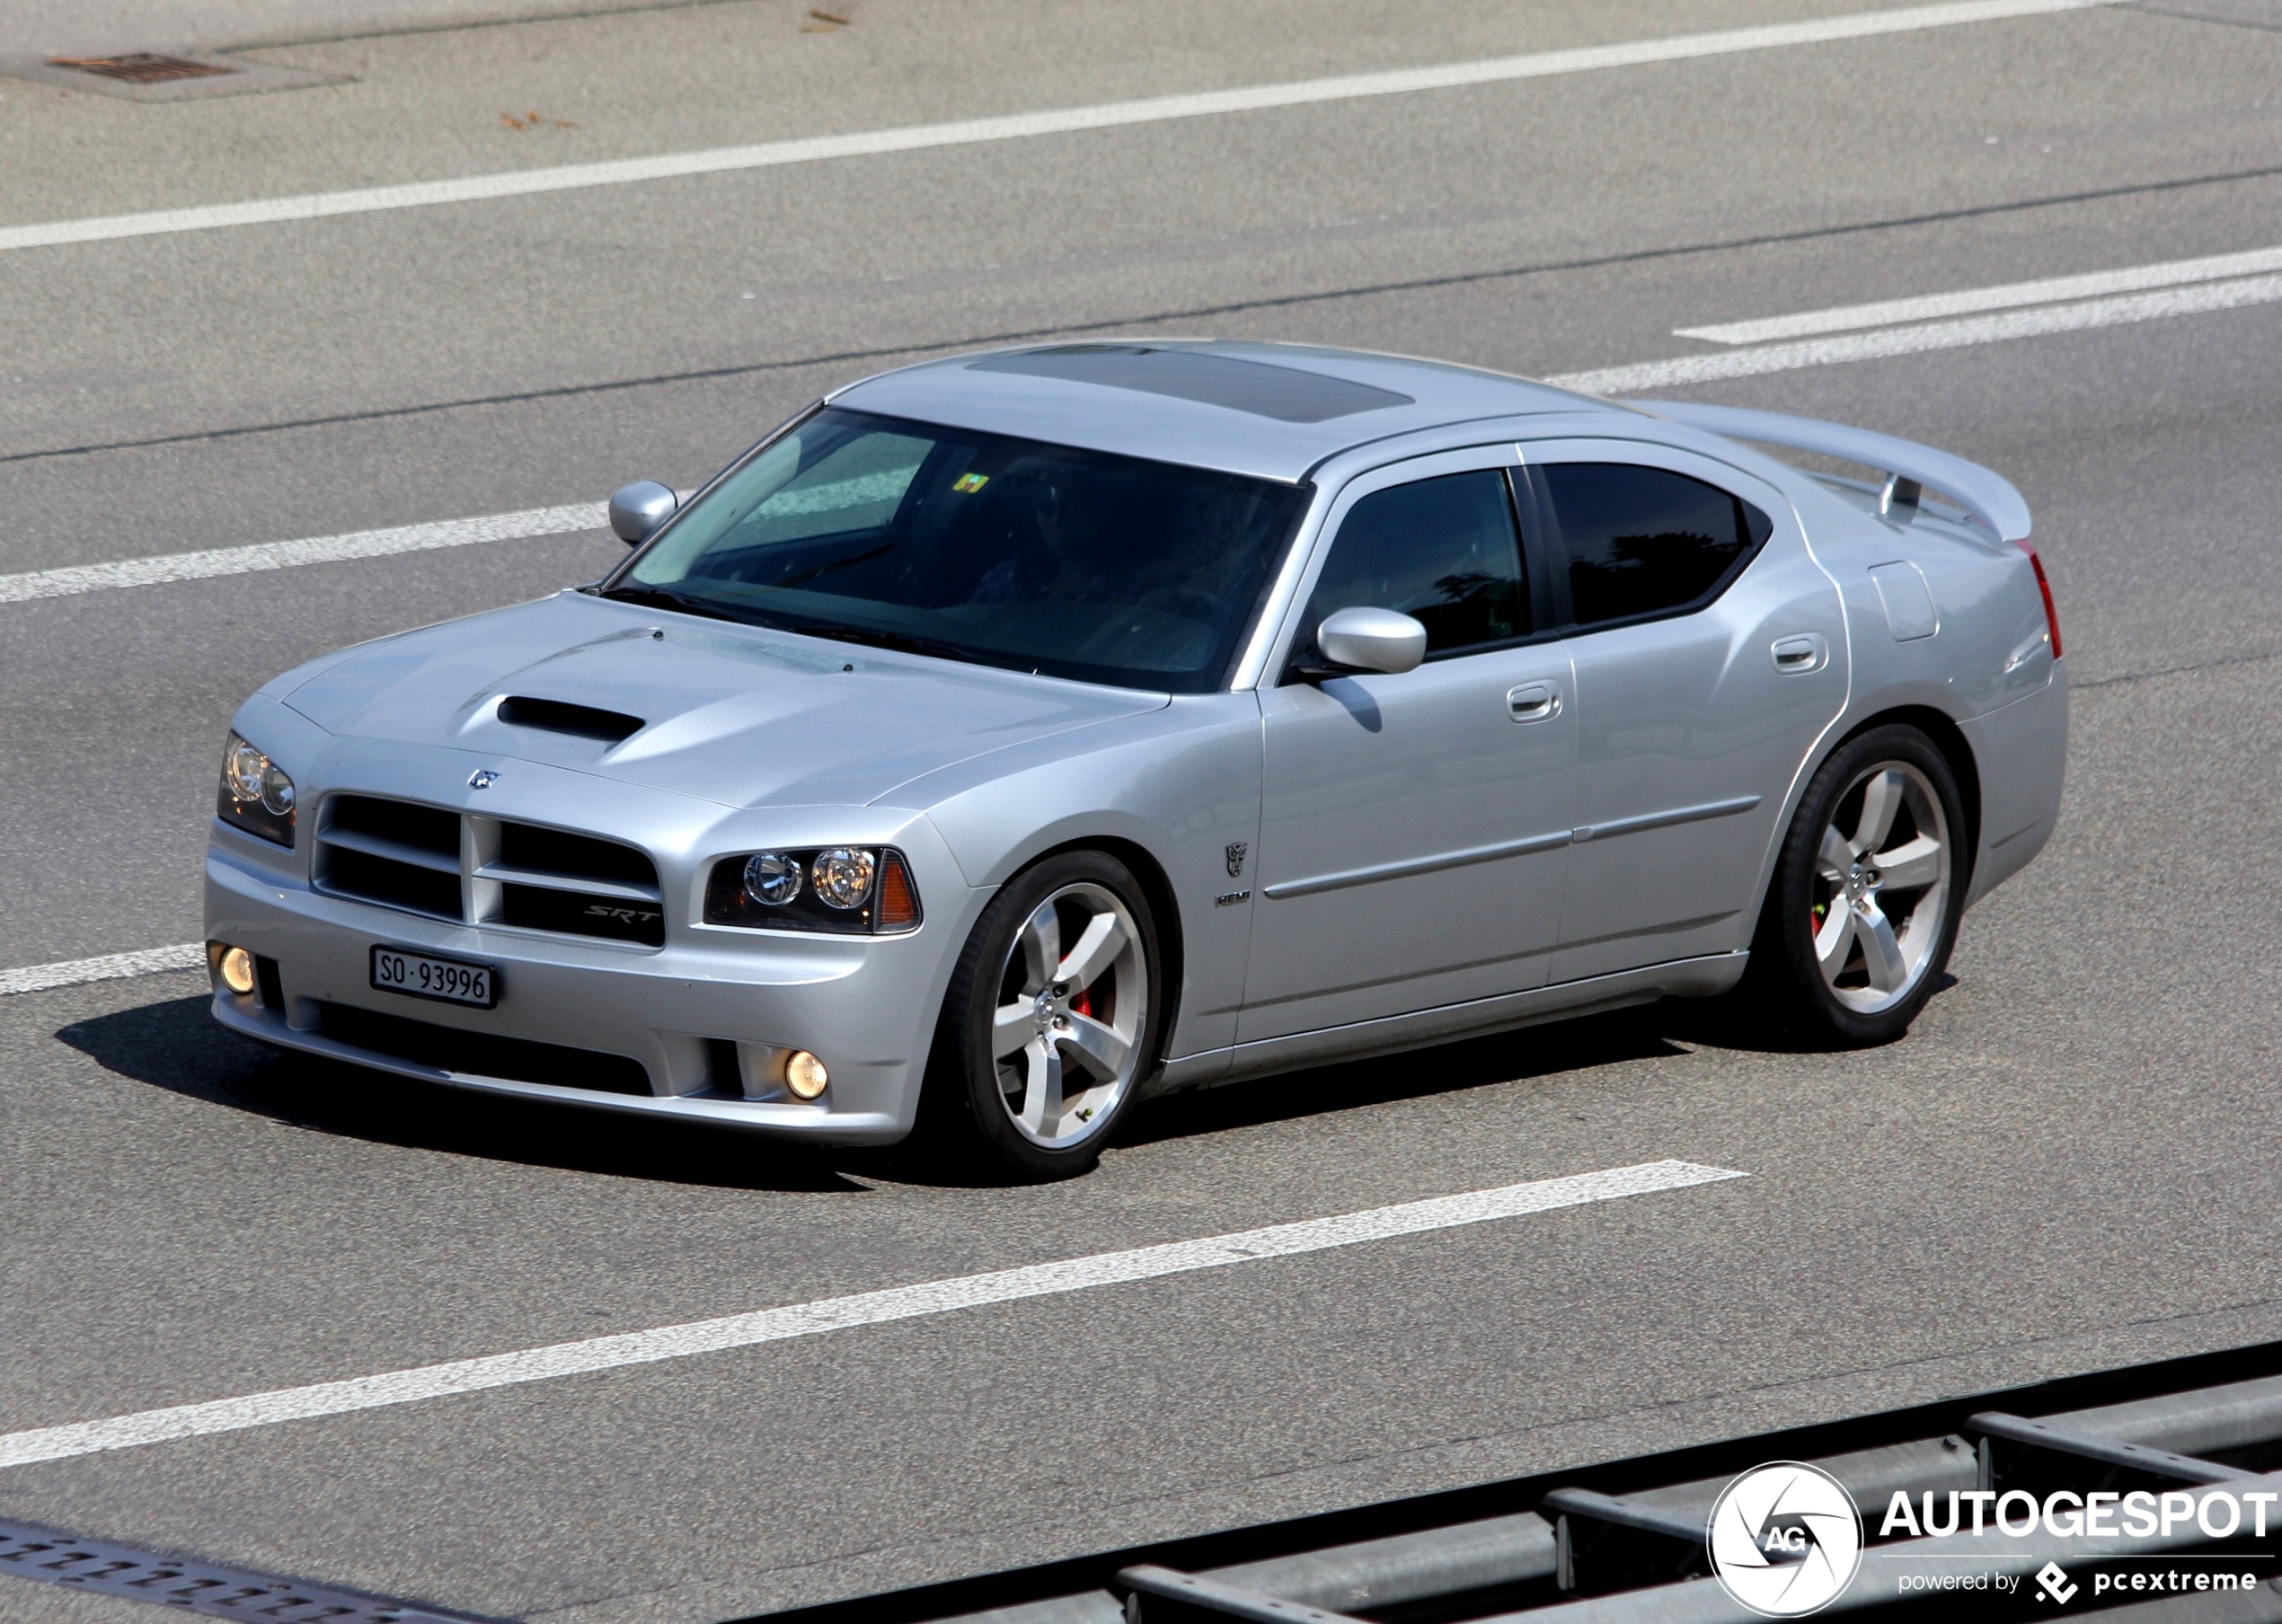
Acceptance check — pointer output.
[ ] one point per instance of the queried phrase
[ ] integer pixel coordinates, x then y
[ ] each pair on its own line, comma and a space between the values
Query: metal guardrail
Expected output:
1625, 1544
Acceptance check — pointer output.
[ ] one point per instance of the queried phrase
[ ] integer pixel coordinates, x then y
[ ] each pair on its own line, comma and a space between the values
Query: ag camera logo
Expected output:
1785, 1538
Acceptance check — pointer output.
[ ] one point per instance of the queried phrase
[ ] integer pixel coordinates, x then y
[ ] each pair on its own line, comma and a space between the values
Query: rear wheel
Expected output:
1051, 1020
1864, 908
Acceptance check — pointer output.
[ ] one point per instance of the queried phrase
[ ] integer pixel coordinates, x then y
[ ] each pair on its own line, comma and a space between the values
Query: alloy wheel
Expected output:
1073, 1003
1882, 888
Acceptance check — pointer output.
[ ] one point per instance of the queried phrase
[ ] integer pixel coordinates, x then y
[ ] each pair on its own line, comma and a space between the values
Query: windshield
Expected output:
1007, 551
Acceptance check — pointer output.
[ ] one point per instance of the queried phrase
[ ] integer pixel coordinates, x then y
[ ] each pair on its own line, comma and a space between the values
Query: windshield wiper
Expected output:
657, 597
902, 643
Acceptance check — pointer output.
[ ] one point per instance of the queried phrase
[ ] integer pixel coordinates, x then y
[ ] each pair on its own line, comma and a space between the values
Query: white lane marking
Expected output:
847, 1314
964, 132
1917, 340
2006, 295
109, 966
312, 550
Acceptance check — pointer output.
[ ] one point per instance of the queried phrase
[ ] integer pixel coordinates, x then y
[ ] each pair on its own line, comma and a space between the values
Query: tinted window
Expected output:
978, 547
1445, 550
1643, 541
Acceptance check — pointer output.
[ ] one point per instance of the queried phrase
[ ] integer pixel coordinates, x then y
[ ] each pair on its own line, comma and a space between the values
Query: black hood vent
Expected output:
557, 716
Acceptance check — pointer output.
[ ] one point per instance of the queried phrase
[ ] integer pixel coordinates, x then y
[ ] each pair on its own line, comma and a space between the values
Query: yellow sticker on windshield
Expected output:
970, 483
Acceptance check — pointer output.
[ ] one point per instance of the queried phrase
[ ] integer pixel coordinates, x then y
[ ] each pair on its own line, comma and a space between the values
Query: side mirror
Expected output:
1372, 640
636, 510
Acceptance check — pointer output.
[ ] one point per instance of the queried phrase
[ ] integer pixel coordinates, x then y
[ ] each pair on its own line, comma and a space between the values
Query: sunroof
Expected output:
1284, 392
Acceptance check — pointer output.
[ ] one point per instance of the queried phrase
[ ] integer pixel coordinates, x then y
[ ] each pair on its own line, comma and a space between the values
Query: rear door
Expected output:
1413, 827
1709, 654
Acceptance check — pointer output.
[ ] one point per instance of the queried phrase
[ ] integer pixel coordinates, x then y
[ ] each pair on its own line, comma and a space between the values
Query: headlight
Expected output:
843, 876
256, 794
854, 890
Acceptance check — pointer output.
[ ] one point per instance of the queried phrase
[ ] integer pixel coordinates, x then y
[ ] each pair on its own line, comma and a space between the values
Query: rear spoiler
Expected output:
1908, 467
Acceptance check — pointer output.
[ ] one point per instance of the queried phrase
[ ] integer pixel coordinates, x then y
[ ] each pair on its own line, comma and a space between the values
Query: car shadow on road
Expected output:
175, 1046
1502, 1057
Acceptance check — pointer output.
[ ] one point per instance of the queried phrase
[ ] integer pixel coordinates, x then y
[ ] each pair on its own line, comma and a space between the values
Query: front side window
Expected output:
1444, 552
978, 547
1645, 540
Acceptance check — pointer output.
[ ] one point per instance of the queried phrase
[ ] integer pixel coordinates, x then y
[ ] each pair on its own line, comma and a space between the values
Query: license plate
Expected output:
447, 980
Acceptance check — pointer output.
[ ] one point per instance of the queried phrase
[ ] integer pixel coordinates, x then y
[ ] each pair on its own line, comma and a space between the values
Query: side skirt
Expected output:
1701, 977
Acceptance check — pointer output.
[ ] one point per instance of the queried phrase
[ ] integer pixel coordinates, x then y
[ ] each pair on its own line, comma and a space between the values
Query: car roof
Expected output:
1274, 410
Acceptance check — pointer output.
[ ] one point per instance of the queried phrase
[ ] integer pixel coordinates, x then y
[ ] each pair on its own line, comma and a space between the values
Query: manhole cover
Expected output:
141, 67
162, 75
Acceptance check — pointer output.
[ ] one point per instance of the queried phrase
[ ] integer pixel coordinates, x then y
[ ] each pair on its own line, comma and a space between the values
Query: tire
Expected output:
1018, 1032
1862, 909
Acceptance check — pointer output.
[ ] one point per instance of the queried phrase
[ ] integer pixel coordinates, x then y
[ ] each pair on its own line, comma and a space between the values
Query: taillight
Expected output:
2051, 614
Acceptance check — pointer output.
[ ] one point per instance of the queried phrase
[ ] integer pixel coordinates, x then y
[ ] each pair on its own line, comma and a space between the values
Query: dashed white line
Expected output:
1919, 341
932, 1297
108, 967
1150, 109
2008, 295
311, 550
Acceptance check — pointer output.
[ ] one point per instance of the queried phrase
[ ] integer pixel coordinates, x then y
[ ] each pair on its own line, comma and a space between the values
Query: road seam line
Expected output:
1749, 361
964, 132
925, 1300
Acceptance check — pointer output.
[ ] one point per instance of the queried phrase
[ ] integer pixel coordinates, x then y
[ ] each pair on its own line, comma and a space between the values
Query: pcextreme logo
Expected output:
1785, 1538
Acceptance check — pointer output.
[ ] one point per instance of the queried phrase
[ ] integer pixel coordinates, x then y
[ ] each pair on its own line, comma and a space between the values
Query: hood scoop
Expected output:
559, 716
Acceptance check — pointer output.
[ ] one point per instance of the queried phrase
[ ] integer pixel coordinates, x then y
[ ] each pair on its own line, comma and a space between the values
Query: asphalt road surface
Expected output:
2070, 1162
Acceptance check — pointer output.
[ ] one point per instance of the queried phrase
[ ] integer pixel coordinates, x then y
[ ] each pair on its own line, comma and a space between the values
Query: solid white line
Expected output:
1151, 110
844, 1313
312, 550
2005, 297
109, 967
1919, 341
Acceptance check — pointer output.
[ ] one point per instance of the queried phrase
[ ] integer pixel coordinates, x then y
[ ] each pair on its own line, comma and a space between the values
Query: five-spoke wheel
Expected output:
1882, 875
1864, 907
1050, 1023
1072, 995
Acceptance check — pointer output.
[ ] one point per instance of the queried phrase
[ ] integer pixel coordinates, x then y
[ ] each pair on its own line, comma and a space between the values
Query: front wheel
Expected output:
1864, 908
1050, 1024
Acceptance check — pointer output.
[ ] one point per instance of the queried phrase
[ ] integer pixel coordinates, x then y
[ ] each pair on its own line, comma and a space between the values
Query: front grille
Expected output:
486, 871
394, 853
529, 846
572, 913
481, 1054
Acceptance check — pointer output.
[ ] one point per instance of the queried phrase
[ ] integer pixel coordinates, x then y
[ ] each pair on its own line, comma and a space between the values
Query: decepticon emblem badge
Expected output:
482, 778
1236, 851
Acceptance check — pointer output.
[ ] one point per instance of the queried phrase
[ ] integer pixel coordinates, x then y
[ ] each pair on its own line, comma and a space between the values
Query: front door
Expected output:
1711, 655
1414, 827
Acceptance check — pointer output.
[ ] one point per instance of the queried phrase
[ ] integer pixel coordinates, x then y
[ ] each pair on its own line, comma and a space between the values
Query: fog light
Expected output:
804, 1074
237, 970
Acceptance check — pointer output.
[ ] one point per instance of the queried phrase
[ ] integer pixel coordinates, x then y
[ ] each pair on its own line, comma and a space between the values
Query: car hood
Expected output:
738, 715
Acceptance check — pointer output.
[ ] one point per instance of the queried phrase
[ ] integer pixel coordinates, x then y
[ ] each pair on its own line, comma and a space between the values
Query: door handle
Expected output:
1806, 652
1533, 703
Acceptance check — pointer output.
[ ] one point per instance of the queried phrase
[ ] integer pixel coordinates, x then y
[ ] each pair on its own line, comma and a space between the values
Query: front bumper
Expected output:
708, 1020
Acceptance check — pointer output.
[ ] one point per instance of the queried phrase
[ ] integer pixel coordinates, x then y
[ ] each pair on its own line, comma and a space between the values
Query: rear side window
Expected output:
1645, 540
1444, 550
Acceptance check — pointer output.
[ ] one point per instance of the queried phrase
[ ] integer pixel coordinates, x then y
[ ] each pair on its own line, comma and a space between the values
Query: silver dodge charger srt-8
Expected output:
1012, 736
